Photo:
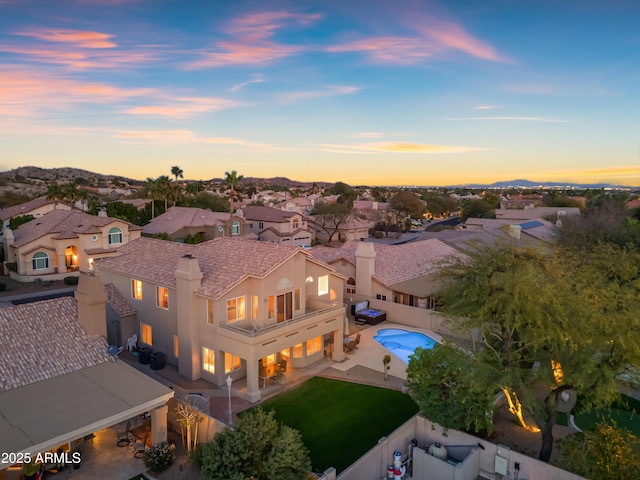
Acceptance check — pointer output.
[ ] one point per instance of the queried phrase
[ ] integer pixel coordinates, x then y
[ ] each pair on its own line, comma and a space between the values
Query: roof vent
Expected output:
187, 255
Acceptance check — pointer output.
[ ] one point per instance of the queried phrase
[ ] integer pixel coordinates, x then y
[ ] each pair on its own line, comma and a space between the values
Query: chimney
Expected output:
92, 304
102, 212
188, 280
365, 268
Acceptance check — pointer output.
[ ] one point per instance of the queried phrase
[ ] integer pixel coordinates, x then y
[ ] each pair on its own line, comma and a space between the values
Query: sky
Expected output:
388, 92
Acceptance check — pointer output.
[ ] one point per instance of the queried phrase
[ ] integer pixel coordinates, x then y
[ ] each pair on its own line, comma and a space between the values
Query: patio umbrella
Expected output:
346, 325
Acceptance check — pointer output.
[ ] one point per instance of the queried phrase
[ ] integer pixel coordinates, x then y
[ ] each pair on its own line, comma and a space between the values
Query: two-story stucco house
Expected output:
36, 208
278, 226
230, 307
63, 241
181, 222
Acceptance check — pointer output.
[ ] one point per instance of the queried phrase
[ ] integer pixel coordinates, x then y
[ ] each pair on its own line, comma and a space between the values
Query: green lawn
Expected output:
340, 421
620, 412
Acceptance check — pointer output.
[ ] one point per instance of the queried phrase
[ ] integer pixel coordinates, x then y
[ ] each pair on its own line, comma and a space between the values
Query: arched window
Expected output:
351, 285
235, 228
40, 261
115, 236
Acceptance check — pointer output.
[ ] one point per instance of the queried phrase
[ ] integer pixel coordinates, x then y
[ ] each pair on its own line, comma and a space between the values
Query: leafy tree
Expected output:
329, 216
379, 194
451, 387
15, 222
257, 448
123, 211
606, 452
347, 194
177, 172
439, 204
406, 204
526, 304
478, 208
195, 188
208, 201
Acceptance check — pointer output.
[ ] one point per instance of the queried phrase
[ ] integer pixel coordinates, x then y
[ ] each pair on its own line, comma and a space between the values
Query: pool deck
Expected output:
370, 353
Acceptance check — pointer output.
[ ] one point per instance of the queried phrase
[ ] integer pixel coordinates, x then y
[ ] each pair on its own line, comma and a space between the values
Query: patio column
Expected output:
159, 424
253, 380
338, 341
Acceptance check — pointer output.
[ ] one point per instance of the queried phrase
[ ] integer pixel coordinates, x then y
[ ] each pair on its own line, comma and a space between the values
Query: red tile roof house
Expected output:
180, 222
399, 279
229, 307
58, 383
376, 212
352, 229
278, 226
37, 208
63, 242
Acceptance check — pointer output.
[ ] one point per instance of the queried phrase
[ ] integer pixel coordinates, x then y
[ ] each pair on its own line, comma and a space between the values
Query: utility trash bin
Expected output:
157, 361
144, 355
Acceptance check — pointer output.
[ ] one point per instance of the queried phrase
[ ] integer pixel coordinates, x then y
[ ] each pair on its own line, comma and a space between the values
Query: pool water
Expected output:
403, 343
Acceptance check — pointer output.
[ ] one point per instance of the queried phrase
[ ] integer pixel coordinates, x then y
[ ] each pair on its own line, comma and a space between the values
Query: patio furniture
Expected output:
124, 436
351, 345
132, 342
140, 446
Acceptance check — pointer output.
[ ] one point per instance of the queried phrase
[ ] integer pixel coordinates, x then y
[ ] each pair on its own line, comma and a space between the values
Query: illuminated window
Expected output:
208, 360
210, 312
146, 334
40, 261
296, 295
175, 346
272, 306
136, 289
236, 309
314, 345
297, 351
115, 236
162, 299
323, 285
254, 307
231, 362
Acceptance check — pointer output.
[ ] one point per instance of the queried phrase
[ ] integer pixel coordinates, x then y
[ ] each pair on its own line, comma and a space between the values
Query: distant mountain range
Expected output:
63, 175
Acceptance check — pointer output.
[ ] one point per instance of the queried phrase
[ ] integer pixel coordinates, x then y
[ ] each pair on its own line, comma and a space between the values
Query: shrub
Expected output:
159, 457
13, 266
70, 280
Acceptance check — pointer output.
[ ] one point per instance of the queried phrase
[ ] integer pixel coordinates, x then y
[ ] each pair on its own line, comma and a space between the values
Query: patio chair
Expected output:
357, 340
124, 436
132, 342
140, 446
351, 345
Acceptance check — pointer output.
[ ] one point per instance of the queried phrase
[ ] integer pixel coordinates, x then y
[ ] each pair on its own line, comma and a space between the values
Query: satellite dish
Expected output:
114, 351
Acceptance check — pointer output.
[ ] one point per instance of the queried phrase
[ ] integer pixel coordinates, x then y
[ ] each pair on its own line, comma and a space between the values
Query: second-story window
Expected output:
236, 309
136, 289
235, 228
162, 294
296, 224
115, 236
323, 285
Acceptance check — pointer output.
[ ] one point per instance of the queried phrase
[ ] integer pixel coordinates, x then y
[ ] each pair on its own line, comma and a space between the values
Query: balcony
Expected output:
315, 308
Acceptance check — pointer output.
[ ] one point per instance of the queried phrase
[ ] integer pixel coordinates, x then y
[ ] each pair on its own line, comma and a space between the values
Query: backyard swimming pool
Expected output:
402, 343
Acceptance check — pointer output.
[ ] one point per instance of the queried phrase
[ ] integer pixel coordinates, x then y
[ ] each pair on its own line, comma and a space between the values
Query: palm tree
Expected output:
232, 179
151, 190
177, 172
83, 196
54, 192
71, 192
175, 192
164, 189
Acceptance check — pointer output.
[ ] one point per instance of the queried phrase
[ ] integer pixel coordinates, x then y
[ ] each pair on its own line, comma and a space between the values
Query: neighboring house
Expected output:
301, 205
58, 383
532, 213
352, 229
63, 241
278, 226
536, 232
402, 274
520, 201
37, 208
182, 222
230, 307
376, 212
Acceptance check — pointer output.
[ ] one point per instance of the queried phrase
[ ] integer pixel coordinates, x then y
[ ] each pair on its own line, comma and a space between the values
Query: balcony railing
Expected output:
314, 308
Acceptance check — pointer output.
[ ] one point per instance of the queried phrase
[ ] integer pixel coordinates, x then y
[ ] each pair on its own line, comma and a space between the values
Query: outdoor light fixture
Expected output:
229, 382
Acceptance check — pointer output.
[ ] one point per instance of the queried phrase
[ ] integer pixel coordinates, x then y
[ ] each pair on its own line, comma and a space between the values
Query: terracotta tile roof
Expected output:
43, 340
537, 212
394, 263
23, 208
63, 224
224, 262
176, 218
267, 214
369, 205
118, 301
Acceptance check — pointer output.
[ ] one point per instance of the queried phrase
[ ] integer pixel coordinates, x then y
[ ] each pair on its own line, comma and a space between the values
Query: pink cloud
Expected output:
326, 92
78, 38
184, 107
185, 136
250, 42
31, 92
399, 50
396, 147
